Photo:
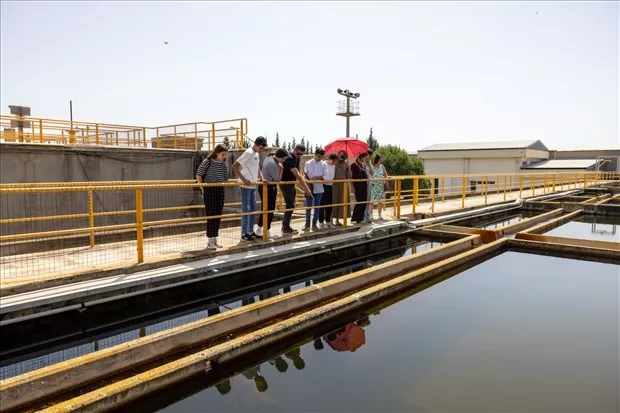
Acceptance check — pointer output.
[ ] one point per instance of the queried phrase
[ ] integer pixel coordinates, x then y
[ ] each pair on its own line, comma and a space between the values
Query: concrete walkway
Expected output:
124, 254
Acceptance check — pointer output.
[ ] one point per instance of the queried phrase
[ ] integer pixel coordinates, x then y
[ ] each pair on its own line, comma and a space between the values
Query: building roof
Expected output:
467, 146
563, 164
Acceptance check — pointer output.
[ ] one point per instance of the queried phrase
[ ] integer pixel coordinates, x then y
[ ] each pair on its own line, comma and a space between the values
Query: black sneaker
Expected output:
315, 228
289, 230
307, 227
248, 237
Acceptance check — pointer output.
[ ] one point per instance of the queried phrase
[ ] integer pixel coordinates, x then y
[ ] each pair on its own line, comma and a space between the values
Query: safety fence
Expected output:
188, 136
59, 228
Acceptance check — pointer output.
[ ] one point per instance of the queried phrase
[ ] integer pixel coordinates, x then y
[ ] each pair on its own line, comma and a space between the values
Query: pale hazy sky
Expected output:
427, 72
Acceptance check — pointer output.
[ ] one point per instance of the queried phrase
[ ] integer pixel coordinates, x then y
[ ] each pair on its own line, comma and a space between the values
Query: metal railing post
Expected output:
505, 179
196, 137
144, 137
213, 137
585, 180
416, 184
432, 195
97, 134
398, 196
521, 186
395, 198
463, 191
443, 189
265, 206
139, 226
91, 218
533, 184
486, 189
553, 183
41, 130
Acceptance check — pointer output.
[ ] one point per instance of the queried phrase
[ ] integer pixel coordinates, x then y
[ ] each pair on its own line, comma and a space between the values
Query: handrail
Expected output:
57, 211
176, 136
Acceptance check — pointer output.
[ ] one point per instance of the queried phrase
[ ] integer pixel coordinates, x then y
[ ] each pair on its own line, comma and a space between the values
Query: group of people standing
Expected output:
324, 199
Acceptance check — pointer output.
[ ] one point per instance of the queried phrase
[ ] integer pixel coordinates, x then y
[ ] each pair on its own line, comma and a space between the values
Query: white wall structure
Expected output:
485, 159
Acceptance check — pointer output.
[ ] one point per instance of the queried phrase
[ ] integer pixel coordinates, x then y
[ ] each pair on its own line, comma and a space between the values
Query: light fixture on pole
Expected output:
347, 108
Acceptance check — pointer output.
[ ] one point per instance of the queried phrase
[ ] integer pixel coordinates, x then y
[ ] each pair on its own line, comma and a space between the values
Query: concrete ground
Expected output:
18, 268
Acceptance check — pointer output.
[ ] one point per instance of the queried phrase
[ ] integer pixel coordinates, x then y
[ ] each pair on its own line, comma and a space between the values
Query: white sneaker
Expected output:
212, 245
217, 244
380, 217
259, 231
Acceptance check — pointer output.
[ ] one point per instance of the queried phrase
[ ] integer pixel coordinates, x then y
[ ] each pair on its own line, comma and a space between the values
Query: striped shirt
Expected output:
213, 171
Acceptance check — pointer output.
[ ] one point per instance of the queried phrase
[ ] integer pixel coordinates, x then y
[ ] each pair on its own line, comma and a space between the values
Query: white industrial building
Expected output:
505, 157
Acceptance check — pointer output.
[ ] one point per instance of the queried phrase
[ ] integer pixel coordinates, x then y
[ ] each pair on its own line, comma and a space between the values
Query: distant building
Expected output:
489, 159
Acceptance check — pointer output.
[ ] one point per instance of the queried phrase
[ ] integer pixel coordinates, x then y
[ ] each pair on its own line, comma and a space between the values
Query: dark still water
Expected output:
590, 227
518, 333
83, 343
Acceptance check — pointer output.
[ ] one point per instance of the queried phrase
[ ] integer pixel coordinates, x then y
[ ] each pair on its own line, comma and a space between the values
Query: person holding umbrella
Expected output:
341, 172
345, 148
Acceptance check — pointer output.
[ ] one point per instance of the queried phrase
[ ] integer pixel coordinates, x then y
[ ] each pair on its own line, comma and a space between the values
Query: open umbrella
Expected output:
352, 338
353, 146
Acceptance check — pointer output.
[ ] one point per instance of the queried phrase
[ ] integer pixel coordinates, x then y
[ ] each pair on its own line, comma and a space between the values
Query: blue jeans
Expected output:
248, 204
316, 202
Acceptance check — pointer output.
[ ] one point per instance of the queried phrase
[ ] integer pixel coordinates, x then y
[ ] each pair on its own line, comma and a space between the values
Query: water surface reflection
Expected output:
519, 332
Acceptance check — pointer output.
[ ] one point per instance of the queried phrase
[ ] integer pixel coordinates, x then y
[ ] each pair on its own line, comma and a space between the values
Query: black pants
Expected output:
288, 192
325, 214
272, 193
361, 195
214, 205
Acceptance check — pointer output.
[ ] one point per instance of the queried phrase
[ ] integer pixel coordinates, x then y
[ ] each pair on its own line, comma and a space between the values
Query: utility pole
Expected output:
347, 108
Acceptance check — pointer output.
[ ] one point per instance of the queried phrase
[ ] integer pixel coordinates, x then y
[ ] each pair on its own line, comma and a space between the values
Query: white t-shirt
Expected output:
331, 172
249, 161
313, 168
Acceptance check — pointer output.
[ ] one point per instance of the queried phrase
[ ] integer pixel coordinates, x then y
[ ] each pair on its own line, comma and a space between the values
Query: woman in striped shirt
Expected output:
213, 170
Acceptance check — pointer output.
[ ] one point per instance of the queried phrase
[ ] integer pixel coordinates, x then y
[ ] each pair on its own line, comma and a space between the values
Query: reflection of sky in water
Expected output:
607, 230
501, 336
70, 353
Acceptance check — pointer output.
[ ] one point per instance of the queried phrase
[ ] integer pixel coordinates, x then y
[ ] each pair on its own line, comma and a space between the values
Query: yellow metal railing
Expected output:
149, 214
187, 136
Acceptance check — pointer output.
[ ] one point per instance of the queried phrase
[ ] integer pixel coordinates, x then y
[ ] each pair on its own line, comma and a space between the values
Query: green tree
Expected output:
277, 142
398, 163
303, 141
309, 147
293, 143
372, 142
289, 147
